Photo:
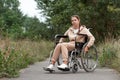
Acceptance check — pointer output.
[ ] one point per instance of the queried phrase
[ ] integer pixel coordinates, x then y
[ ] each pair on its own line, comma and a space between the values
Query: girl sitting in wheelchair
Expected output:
64, 47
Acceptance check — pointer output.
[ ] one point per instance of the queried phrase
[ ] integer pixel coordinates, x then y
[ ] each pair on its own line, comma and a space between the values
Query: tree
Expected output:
10, 18
34, 29
101, 15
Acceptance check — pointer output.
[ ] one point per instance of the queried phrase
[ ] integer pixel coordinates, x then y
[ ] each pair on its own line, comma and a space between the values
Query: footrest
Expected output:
47, 69
66, 69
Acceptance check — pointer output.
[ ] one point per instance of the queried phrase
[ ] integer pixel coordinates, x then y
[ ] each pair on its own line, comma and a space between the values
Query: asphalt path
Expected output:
36, 72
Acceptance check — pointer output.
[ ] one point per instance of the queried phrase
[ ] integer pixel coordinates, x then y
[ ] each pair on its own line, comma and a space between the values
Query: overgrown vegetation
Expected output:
109, 54
27, 33
101, 15
17, 55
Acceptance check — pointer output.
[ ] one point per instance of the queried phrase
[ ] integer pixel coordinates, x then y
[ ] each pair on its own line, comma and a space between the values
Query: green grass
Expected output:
15, 55
109, 54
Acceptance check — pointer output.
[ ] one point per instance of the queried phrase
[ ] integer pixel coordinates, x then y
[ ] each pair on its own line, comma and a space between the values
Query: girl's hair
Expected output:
76, 16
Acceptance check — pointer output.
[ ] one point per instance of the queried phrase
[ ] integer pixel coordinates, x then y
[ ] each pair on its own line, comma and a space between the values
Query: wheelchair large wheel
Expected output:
89, 59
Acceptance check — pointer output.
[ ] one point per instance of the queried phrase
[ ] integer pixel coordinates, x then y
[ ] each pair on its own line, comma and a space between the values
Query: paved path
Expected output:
36, 72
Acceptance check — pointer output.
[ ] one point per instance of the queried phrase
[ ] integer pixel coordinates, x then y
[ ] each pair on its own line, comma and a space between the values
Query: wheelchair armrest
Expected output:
60, 36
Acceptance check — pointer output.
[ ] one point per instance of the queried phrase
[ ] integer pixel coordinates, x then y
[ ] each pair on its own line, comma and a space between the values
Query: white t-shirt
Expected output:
75, 31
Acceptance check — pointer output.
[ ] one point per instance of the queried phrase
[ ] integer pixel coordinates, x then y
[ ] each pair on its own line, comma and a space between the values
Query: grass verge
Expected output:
15, 55
110, 54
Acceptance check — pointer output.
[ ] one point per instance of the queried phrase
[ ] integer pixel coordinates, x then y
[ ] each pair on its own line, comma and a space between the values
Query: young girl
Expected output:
65, 47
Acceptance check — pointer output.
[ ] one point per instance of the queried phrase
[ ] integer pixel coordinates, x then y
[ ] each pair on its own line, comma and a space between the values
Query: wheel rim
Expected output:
90, 59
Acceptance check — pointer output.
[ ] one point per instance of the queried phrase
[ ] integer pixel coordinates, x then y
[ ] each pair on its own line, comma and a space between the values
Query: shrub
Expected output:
16, 55
9, 63
107, 57
109, 54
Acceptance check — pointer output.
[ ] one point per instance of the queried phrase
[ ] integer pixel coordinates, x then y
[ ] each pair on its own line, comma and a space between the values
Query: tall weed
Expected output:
15, 55
9, 64
110, 54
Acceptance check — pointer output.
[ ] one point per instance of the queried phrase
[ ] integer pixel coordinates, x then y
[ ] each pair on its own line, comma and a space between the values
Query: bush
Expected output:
17, 55
110, 56
9, 63
107, 57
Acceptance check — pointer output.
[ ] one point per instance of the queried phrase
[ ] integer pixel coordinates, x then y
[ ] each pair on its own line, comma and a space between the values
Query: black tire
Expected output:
89, 60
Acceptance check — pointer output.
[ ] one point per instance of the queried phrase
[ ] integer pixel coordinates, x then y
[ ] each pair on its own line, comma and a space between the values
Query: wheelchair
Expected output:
78, 58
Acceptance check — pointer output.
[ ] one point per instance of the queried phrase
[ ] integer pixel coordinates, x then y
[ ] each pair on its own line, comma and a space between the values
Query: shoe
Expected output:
63, 66
51, 67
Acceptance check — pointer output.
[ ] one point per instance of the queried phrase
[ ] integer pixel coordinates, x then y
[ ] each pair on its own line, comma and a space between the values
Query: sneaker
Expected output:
51, 67
63, 66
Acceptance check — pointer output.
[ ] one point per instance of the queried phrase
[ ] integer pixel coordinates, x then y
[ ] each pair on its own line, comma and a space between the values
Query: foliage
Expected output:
107, 57
33, 28
109, 54
17, 55
101, 15
10, 18
9, 64
15, 25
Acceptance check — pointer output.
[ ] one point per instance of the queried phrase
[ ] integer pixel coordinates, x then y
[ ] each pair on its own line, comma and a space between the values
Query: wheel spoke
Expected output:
89, 59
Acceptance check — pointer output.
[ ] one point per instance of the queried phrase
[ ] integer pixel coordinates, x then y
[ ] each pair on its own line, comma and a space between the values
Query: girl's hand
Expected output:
86, 49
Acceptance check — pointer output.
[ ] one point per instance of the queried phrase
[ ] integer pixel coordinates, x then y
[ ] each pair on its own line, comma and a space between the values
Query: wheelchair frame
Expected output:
87, 61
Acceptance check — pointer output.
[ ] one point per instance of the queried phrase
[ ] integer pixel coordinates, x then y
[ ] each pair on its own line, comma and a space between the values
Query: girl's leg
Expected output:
56, 53
65, 48
61, 48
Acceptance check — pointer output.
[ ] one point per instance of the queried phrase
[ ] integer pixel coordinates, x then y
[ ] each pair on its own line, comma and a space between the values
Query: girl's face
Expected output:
75, 21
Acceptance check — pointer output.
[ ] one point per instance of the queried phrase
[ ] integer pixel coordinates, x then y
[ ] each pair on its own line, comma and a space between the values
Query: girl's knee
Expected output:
58, 45
62, 44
